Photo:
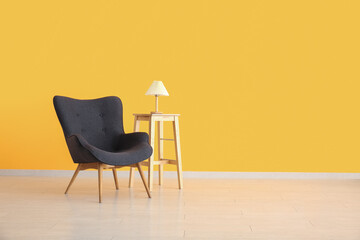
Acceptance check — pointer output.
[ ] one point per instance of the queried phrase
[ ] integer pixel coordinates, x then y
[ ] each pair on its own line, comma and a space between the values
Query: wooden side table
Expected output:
152, 119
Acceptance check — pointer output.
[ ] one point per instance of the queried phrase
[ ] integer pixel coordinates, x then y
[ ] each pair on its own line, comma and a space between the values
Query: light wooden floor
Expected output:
36, 208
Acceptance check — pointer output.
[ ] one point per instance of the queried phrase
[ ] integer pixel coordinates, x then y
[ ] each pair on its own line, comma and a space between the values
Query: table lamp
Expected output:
156, 89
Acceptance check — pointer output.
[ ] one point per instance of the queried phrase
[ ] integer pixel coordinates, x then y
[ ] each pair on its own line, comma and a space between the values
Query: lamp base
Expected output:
156, 112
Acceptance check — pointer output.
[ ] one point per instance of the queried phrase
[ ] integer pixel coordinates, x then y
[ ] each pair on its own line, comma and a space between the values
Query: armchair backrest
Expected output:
99, 121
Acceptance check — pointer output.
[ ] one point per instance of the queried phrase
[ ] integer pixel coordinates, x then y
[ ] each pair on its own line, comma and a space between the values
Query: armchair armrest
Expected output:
82, 141
80, 149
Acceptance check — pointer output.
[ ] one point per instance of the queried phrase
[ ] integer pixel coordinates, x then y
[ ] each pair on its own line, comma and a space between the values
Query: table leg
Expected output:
151, 159
161, 150
178, 151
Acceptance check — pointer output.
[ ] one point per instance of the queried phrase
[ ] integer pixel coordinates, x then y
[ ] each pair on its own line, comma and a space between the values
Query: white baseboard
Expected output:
188, 174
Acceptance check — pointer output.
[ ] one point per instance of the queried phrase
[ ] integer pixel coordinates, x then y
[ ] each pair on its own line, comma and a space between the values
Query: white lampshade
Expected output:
157, 88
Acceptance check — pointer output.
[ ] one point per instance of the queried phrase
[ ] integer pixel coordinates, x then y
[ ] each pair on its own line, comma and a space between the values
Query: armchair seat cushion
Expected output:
135, 150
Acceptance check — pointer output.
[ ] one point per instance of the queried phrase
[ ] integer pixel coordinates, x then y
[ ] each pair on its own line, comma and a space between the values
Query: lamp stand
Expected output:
156, 105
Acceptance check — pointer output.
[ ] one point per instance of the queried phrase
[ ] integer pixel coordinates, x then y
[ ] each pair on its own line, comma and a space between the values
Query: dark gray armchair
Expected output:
95, 137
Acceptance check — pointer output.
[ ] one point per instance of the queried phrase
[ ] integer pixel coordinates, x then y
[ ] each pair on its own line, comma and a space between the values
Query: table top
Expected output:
155, 114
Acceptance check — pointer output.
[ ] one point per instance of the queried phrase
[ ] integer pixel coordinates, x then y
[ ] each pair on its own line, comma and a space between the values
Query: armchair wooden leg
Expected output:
131, 178
143, 179
115, 178
132, 170
100, 169
73, 178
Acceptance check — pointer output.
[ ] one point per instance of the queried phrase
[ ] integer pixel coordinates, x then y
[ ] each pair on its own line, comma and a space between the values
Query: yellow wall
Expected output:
261, 85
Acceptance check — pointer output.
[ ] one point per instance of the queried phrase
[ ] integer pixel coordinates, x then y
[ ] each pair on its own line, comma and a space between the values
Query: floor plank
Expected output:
36, 208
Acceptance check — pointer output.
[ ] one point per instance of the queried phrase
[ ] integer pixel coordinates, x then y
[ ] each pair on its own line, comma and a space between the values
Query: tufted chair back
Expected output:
99, 121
